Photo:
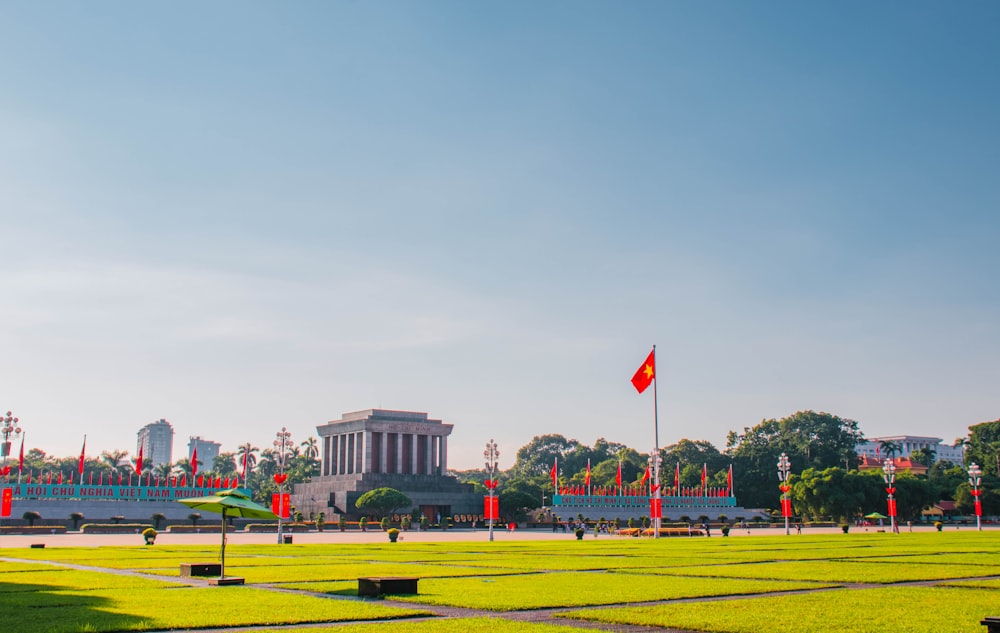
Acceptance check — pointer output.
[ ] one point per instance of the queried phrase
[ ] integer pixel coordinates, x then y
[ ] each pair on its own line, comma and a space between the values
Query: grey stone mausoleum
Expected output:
378, 448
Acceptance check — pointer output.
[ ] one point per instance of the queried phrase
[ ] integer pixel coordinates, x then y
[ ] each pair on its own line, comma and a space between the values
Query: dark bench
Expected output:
992, 624
383, 585
201, 569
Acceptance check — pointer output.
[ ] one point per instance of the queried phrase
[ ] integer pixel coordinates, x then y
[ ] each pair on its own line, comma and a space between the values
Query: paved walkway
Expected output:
74, 539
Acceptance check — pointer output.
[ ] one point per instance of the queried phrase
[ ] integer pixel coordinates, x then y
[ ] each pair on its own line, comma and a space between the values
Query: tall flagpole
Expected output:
656, 449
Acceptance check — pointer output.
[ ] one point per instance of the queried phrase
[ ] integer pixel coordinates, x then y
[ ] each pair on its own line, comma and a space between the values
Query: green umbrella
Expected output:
875, 515
229, 503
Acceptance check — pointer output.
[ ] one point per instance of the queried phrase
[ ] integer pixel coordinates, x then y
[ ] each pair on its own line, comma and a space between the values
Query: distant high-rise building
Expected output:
157, 443
207, 452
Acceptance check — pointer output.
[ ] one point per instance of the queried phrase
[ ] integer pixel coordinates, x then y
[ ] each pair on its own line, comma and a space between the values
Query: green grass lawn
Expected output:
139, 588
913, 609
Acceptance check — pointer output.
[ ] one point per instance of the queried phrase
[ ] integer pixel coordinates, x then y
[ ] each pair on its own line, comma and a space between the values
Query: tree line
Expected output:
825, 479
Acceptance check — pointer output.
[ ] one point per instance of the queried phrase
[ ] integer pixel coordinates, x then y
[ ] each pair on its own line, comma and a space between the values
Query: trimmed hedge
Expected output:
113, 528
38, 529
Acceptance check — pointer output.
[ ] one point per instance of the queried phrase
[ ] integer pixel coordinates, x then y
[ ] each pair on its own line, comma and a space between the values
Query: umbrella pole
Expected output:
222, 565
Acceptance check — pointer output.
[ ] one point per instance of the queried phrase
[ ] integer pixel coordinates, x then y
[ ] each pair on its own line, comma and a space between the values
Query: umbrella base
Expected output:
228, 580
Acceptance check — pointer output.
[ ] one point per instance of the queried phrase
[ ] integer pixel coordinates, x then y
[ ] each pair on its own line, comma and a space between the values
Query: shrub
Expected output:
158, 518
76, 517
31, 516
320, 521
384, 523
342, 522
363, 524
194, 517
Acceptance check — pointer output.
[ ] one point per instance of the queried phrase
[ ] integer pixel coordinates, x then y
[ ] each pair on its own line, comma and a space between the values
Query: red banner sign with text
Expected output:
5, 501
491, 510
280, 504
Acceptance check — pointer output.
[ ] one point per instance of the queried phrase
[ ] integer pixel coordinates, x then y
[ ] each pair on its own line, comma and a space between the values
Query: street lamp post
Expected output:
889, 477
281, 444
491, 454
9, 426
975, 479
786, 501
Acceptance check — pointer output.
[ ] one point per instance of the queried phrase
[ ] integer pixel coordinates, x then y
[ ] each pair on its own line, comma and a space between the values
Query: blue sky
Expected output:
240, 216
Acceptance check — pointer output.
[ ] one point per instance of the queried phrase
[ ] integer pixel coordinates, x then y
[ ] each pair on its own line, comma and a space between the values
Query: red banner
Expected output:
786, 507
5, 501
491, 510
656, 508
892, 507
280, 504
979, 507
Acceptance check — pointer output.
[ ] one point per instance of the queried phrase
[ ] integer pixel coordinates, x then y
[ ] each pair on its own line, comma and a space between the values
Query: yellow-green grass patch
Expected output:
55, 609
837, 571
922, 609
568, 589
448, 625
82, 580
991, 583
309, 573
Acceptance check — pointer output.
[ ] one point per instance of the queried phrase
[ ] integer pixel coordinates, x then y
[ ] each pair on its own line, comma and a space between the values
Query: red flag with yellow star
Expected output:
645, 374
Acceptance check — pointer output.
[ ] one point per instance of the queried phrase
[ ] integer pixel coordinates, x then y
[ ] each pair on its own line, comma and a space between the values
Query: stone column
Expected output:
383, 452
359, 450
399, 453
444, 454
435, 453
429, 456
414, 462
341, 466
334, 455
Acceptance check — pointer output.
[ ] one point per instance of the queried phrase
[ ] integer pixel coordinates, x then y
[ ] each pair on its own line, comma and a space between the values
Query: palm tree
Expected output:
184, 467
163, 470
889, 448
247, 454
113, 460
310, 448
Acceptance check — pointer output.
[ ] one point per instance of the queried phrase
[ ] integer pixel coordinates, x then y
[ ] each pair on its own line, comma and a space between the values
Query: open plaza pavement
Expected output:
76, 539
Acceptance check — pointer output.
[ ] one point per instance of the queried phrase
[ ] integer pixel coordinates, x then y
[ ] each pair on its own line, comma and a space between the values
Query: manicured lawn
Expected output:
567, 589
913, 609
456, 625
138, 588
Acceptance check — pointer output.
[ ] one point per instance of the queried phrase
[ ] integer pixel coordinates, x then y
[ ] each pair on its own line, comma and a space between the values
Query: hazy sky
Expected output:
240, 216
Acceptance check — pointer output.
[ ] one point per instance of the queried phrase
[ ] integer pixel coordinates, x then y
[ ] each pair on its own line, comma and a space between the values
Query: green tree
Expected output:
889, 448
310, 447
224, 464
514, 504
535, 458
695, 452
382, 501
983, 446
832, 492
811, 440
924, 456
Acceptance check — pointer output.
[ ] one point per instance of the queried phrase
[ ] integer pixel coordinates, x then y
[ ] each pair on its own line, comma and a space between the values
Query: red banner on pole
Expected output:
656, 508
491, 510
5, 502
280, 504
786, 507
979, 507
892, 507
